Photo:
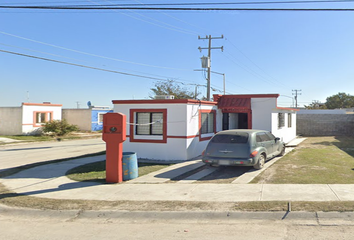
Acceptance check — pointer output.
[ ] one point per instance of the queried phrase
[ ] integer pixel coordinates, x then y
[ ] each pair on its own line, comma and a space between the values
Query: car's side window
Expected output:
271, 136
262, 137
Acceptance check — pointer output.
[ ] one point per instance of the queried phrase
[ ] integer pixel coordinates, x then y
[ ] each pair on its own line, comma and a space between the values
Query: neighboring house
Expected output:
97, 117
88, 119
179, 129
28, 118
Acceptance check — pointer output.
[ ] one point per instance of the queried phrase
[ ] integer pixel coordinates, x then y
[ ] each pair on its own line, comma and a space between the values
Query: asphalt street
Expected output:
19, 154
43, 224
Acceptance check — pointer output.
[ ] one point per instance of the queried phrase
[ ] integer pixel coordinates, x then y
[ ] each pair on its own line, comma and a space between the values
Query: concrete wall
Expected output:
79, 117
322, 111
325, 124
10, 120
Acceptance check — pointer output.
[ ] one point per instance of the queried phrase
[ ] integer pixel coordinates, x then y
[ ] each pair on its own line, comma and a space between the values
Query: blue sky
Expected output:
264, 52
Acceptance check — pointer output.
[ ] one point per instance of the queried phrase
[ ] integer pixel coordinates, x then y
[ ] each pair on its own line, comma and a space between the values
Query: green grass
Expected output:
320, 160
97, 171
30, 138
41, 138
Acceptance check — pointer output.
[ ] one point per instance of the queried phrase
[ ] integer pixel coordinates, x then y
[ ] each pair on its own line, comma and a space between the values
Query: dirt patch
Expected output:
264, 178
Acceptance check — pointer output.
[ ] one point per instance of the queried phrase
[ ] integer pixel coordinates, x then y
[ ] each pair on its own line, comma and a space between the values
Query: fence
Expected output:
325, 124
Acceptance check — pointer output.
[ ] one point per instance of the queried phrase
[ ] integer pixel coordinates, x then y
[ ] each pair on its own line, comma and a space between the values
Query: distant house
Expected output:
87, 119
179, 129
97, 117
28, 118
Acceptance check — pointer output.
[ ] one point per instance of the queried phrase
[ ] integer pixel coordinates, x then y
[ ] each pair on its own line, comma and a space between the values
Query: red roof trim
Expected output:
249, 96
42, 104
164, 101
291, 109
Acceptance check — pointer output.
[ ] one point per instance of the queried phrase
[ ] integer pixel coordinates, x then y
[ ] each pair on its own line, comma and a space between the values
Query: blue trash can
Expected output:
130, 166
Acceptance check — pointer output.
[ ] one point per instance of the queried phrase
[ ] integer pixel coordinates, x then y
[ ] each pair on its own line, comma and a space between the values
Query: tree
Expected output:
169, 87
340, 100
316, 105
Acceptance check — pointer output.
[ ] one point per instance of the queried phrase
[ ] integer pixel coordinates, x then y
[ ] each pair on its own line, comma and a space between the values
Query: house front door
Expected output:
234, 121
243, 121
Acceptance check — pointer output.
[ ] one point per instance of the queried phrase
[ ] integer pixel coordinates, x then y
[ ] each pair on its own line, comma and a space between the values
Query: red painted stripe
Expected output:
42, 104
164, 101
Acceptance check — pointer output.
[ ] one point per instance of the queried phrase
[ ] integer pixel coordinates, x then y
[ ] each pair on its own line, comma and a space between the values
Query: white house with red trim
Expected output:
28, 118
179, 129
167, 129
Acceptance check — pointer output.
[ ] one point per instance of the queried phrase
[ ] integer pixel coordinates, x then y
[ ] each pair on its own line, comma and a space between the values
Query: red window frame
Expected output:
200, 124
132, 126
47, 118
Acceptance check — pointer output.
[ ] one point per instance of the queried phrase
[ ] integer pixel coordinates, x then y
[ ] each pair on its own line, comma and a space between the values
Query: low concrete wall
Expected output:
79, 117
325, 124
10, 120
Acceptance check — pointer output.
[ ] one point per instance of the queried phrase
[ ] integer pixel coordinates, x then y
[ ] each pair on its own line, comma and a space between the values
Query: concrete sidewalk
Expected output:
49, 181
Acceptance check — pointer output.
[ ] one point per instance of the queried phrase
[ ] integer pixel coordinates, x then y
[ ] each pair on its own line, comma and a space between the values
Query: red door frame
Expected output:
248, 111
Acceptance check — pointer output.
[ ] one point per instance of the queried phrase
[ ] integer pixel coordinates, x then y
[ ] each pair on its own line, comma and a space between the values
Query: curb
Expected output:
199, 216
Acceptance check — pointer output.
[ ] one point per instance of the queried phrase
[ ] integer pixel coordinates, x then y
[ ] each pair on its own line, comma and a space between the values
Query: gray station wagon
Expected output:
242, 147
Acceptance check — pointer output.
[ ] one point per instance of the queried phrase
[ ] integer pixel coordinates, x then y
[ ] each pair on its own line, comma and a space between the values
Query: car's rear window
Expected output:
227, 138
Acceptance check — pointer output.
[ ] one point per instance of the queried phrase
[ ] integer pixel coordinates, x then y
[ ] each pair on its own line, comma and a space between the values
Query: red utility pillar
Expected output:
114, 134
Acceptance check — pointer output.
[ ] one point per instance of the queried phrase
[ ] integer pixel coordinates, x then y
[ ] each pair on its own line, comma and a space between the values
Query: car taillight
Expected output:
253, 154
203, 153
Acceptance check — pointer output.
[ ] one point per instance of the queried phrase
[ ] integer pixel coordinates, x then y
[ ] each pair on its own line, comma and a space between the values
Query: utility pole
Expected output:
296, 93
209, 58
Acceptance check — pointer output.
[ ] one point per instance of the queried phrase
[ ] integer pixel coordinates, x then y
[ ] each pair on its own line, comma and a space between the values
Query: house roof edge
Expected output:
164, 101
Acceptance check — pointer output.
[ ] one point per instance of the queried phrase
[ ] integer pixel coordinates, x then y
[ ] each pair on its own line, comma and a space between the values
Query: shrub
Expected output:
59, 127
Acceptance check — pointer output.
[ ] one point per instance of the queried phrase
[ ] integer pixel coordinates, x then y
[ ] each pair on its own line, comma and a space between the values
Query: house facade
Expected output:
180, 129
167, 129
28, 118
257, 111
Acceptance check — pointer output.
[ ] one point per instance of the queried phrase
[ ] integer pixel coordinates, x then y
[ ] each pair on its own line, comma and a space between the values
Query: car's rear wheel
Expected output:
260, 162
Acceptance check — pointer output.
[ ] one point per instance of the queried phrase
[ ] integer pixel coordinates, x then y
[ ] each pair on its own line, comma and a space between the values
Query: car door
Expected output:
273, 143
277, 145
266, 143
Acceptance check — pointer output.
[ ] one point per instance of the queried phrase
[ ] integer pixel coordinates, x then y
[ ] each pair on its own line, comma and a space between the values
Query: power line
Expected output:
80, 65
250, 60
209, 3
90, 54
95, 68
170, 16
168, 26
251, 71
56, 55
178, 8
